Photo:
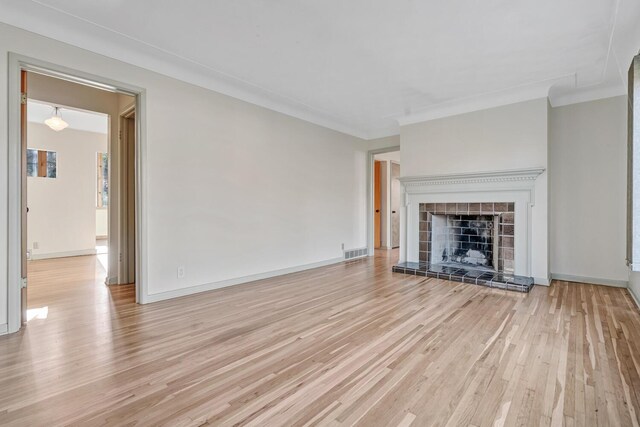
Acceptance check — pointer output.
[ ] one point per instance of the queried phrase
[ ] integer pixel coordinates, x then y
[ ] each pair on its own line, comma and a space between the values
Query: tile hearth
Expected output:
466, 275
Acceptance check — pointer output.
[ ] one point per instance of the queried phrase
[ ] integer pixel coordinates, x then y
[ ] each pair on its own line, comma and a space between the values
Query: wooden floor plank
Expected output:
347, 344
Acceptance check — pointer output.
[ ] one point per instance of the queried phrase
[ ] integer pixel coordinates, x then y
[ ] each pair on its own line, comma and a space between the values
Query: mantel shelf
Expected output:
474, 177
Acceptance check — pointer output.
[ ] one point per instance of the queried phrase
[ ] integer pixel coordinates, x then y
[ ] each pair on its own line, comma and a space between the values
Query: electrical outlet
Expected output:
180, 272
342, 246
36, 245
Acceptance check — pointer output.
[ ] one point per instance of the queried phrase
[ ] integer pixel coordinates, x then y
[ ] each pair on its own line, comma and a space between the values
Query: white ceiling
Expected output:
38, 112
360, 66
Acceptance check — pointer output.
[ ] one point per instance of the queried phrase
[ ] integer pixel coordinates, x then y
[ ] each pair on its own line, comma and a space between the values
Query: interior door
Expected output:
130, 181
395, 205
126, 272
23, 193
376, 205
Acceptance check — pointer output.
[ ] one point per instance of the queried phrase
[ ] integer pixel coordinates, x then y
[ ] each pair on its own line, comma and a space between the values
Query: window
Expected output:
41, 163
102, 199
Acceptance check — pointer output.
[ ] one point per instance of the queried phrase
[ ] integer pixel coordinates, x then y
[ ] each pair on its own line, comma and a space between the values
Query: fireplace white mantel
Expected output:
512, 186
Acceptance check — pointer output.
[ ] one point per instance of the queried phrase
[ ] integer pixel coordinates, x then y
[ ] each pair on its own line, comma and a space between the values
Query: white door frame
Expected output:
370, 223
390, 207
17, 63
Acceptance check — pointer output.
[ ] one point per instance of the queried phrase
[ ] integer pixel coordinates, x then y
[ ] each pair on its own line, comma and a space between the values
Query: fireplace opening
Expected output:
467, 240
469, 243
477, 236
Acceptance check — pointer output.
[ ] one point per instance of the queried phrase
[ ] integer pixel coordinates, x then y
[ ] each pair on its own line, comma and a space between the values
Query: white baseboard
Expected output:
110, 280
236, 281
634, 297
541, 281
4, 328
81, 252
590, 280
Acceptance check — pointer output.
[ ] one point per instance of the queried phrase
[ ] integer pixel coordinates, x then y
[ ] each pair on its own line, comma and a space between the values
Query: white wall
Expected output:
587, 162
102, 222
62, 210
232, 189
508, 137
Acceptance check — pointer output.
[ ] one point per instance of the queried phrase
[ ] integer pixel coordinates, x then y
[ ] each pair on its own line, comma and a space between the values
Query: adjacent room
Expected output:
382, 213
67, 196
67, 211
69, 139
386, 203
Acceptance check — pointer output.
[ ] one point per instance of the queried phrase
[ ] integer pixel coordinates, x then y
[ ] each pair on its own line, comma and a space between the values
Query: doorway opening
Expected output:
384, 211
75, 147
67, 181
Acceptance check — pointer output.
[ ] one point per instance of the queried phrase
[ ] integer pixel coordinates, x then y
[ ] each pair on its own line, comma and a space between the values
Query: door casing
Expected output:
395, 189
23, 196
15, 254
369, 208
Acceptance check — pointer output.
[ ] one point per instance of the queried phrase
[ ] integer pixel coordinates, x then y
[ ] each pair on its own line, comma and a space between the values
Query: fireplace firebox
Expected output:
478, 235
468, 242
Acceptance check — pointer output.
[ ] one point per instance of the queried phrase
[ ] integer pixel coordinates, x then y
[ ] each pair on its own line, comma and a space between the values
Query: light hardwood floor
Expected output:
340, 345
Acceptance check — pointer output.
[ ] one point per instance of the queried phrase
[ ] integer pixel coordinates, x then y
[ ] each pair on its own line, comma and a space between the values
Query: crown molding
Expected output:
510, 175
586, 94
485, 101
72, 30
567, 96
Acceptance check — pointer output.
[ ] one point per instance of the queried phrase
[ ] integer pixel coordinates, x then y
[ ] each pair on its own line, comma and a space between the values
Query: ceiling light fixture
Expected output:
55, 122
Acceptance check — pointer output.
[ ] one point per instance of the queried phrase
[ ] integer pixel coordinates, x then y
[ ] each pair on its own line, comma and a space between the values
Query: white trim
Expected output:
634, 297
19, 62
591, 280
508, 175
65, 27
3, 329
66, 254
141, 202
14, 247
369, 208
541, 281
239, 280
484, 101
516, 186
588, 94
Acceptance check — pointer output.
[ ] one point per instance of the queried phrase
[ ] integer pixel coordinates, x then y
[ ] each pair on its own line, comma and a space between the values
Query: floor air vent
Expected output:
355, 253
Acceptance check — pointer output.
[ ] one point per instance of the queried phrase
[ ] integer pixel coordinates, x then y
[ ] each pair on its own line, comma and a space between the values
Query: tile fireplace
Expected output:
477, 235
468, 242
476, 227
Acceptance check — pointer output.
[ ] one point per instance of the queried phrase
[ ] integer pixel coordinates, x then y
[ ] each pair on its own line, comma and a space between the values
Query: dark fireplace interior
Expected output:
471, 235
469, 243
465, 239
